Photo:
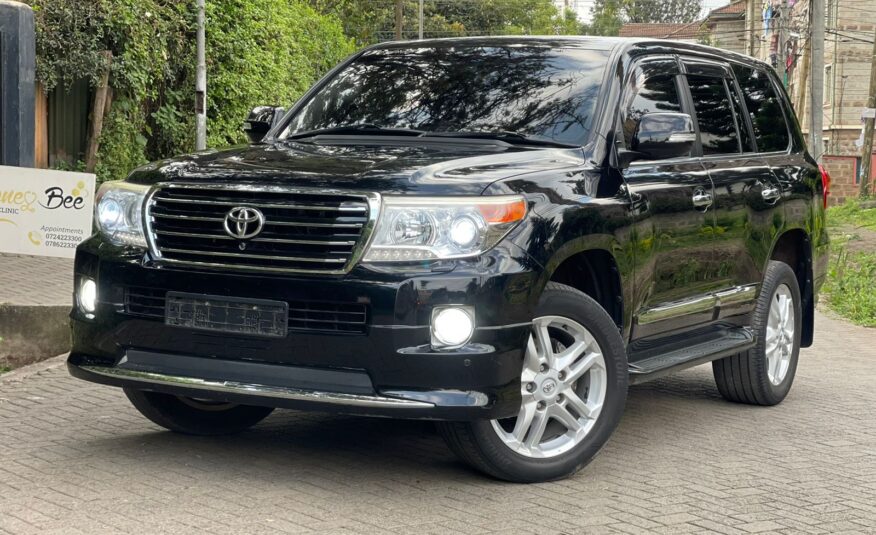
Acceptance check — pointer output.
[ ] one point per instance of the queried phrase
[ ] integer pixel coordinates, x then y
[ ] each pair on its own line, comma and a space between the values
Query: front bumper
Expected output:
388, 369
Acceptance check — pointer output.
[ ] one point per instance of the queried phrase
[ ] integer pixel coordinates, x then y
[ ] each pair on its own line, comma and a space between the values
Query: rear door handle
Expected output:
771, 194
701, 199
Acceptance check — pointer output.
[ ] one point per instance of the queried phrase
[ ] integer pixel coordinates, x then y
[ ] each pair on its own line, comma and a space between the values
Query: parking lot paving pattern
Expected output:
75, 457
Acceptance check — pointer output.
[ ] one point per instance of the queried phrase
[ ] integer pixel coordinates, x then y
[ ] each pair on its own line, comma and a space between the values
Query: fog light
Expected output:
87, 296
452, 326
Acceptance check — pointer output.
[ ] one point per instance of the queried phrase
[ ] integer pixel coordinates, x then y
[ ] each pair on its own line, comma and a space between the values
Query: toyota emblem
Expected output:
244, 222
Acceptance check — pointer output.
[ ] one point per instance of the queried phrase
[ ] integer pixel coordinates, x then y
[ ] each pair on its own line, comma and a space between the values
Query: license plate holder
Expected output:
219, 313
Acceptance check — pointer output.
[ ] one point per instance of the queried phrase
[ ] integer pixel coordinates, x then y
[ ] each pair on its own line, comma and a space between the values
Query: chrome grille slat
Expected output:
264, 240
305, 231
258, 204
264, 257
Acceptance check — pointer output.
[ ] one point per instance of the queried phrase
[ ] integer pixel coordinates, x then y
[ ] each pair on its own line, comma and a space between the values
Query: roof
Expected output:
558, 41
668, 30
735, 8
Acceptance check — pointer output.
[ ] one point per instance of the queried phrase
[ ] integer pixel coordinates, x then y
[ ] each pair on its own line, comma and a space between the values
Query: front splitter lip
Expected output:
447, 405
264, 391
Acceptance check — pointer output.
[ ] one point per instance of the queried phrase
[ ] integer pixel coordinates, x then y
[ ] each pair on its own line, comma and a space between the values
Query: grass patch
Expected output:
850, 289
4, 369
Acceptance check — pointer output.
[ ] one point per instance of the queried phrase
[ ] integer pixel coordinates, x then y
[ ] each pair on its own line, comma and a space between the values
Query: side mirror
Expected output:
660, 136
260, 120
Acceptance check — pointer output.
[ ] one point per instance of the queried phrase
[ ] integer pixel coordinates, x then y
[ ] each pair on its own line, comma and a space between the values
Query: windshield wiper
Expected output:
508, 136
356, 129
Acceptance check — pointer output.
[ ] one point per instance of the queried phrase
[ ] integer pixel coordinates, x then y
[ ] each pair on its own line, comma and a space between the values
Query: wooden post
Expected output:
41, 129
867, 148
803, 82
98, 109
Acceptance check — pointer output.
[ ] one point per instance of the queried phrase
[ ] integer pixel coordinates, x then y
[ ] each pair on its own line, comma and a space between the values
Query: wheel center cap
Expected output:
549, 387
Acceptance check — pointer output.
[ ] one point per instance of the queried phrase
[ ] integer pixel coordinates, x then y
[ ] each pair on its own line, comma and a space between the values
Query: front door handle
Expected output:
771, 194
701, 199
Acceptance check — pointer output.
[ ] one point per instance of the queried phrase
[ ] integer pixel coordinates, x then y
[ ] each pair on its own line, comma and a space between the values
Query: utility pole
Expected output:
750, 26
867, 148
201, 83
399, 19
782, 50
420, 17
816, 77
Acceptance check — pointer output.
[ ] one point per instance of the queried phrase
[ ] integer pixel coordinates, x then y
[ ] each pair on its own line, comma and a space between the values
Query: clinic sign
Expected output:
46, 213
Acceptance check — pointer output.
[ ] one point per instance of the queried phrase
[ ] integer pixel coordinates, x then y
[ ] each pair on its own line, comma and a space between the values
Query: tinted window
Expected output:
538, 91
652, 89
714, 115
767, 119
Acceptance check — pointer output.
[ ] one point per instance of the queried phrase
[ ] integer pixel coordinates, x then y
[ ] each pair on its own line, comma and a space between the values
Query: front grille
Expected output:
325, 316
303, 232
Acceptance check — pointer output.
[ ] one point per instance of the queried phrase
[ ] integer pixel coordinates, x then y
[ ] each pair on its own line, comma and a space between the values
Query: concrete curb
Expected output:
32, 369
29, 333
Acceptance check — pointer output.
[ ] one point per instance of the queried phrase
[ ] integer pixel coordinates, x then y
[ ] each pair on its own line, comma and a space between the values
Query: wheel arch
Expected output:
794, 247
593, 269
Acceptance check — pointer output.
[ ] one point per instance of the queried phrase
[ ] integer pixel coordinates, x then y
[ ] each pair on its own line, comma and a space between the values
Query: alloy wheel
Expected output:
563, 387
780, 335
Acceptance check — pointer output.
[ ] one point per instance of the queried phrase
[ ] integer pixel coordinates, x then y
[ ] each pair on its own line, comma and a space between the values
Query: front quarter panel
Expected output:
567, 216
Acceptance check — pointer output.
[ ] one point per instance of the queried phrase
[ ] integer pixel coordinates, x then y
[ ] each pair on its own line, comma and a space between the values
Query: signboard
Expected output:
45, 213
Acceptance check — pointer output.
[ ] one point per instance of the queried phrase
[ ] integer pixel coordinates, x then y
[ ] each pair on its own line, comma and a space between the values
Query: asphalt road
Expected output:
76, 458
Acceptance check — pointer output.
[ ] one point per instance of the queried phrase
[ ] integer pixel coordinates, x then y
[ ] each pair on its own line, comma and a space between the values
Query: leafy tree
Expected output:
609, 15
606, 17
662, 11
372, 22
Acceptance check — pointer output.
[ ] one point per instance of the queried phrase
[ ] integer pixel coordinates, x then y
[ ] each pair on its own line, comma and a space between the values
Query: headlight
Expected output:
438, 228
119, 212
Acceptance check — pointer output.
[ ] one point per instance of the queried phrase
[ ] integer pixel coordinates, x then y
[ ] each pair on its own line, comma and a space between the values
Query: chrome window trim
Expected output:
372, 198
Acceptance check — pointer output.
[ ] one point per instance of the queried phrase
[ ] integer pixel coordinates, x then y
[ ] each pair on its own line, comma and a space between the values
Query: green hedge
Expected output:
258, 52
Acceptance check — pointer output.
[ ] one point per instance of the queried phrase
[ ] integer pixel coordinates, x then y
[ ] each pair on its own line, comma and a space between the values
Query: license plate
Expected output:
257, 317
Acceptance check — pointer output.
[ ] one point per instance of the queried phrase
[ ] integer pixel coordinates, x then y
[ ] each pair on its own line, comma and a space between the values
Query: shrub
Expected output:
258, 52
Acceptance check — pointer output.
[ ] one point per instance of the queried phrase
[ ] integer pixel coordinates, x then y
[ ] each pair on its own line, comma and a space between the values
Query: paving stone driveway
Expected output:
75, 457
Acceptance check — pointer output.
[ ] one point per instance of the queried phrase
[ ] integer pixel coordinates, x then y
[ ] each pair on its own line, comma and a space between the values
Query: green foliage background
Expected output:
259, 51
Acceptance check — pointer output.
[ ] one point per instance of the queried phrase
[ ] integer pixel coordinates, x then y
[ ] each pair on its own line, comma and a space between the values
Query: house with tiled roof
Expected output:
683, 31
724, 27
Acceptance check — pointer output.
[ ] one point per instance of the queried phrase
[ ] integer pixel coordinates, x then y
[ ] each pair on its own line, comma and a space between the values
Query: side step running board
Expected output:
729, 342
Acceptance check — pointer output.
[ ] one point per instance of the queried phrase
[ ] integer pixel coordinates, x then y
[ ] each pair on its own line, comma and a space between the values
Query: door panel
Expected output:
747, 219
671, 202
746, 191
675, 264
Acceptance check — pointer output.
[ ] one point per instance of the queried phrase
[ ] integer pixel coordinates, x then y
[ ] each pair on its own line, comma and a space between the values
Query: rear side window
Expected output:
714, 115
652, 89
767, 119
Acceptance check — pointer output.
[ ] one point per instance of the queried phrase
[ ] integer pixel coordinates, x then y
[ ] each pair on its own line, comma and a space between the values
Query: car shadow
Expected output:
292, 446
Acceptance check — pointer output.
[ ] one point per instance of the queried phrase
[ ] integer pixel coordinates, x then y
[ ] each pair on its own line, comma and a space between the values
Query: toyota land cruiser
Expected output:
500, 234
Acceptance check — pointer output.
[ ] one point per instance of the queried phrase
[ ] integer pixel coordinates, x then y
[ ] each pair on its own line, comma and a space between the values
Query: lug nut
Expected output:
530, 387
540, 405
543, 368
562, 376
560, 398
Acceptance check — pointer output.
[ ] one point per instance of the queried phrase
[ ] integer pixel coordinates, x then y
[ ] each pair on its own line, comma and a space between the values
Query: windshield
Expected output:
539, 92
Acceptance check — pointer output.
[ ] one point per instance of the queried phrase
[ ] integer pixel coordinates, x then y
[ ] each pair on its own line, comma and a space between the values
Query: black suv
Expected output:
500, 234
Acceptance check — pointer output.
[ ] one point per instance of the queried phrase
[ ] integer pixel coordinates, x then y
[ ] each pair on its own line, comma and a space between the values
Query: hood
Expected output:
397, 166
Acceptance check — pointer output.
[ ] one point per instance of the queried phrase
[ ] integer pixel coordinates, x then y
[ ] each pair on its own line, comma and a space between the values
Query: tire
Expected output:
493, 446
195, 417
750, 377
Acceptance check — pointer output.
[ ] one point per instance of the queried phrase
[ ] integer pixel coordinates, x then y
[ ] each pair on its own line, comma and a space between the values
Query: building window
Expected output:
828, 86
